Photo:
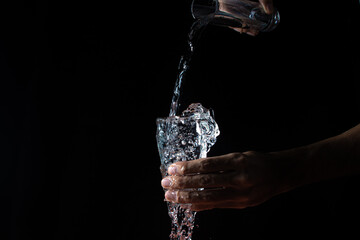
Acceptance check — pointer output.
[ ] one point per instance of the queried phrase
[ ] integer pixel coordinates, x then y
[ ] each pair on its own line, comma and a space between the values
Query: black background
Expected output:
81, 84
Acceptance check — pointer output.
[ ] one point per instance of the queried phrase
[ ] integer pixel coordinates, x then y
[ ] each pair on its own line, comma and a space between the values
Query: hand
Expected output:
236, 180
240, 180
268, 7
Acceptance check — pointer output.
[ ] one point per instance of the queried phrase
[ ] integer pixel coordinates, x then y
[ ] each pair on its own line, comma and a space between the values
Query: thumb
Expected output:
267, 5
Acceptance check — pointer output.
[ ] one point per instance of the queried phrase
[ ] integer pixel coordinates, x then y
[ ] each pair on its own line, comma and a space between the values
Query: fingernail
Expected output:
166, 183
171, 196
172, 170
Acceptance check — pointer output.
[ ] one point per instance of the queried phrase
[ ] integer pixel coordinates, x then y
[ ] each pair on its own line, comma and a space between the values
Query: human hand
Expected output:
236, 180
268, 7
240, 180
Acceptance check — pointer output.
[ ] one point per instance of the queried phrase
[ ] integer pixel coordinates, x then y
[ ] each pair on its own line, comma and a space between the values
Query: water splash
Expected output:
183, 138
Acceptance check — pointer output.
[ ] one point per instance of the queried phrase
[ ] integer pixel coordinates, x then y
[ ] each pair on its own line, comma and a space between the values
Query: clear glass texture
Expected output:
186, 137
183, 138
236, 13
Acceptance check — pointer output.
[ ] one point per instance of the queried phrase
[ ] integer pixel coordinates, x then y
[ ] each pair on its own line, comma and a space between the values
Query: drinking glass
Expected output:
180, 139
183, 138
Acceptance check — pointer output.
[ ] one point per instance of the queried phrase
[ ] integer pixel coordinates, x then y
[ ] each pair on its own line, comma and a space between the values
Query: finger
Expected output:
267, 6
210, 180
239, 29
248, 31
225, 204
252, 32
206, 165
204, 196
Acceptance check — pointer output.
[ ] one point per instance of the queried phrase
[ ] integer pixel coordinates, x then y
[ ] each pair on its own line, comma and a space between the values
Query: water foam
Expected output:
183, 138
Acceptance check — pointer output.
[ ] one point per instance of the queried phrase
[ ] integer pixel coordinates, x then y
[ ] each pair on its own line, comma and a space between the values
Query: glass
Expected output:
184, 138
246, 14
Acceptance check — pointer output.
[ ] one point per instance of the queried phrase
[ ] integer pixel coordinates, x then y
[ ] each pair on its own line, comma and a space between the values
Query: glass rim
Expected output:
173, 118
212, 7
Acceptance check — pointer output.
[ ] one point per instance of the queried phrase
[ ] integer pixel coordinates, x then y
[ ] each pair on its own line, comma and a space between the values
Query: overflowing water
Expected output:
183, 138
186, 137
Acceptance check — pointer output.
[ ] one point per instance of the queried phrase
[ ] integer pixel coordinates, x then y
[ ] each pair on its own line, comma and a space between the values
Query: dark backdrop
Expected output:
81, 84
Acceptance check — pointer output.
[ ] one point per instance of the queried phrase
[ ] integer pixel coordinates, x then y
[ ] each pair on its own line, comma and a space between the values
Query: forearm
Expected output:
335, 157
330, 158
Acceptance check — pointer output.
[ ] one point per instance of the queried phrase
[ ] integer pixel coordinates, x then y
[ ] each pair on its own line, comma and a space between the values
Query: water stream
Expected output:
183, 219
194, 34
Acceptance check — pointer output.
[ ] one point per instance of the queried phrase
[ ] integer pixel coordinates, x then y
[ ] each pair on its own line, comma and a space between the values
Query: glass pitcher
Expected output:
243, 14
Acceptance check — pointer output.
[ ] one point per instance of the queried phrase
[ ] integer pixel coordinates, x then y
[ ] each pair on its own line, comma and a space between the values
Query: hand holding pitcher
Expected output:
244, 16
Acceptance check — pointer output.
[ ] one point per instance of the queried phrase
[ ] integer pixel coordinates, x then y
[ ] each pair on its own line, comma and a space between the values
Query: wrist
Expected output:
293, 165
332, 157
